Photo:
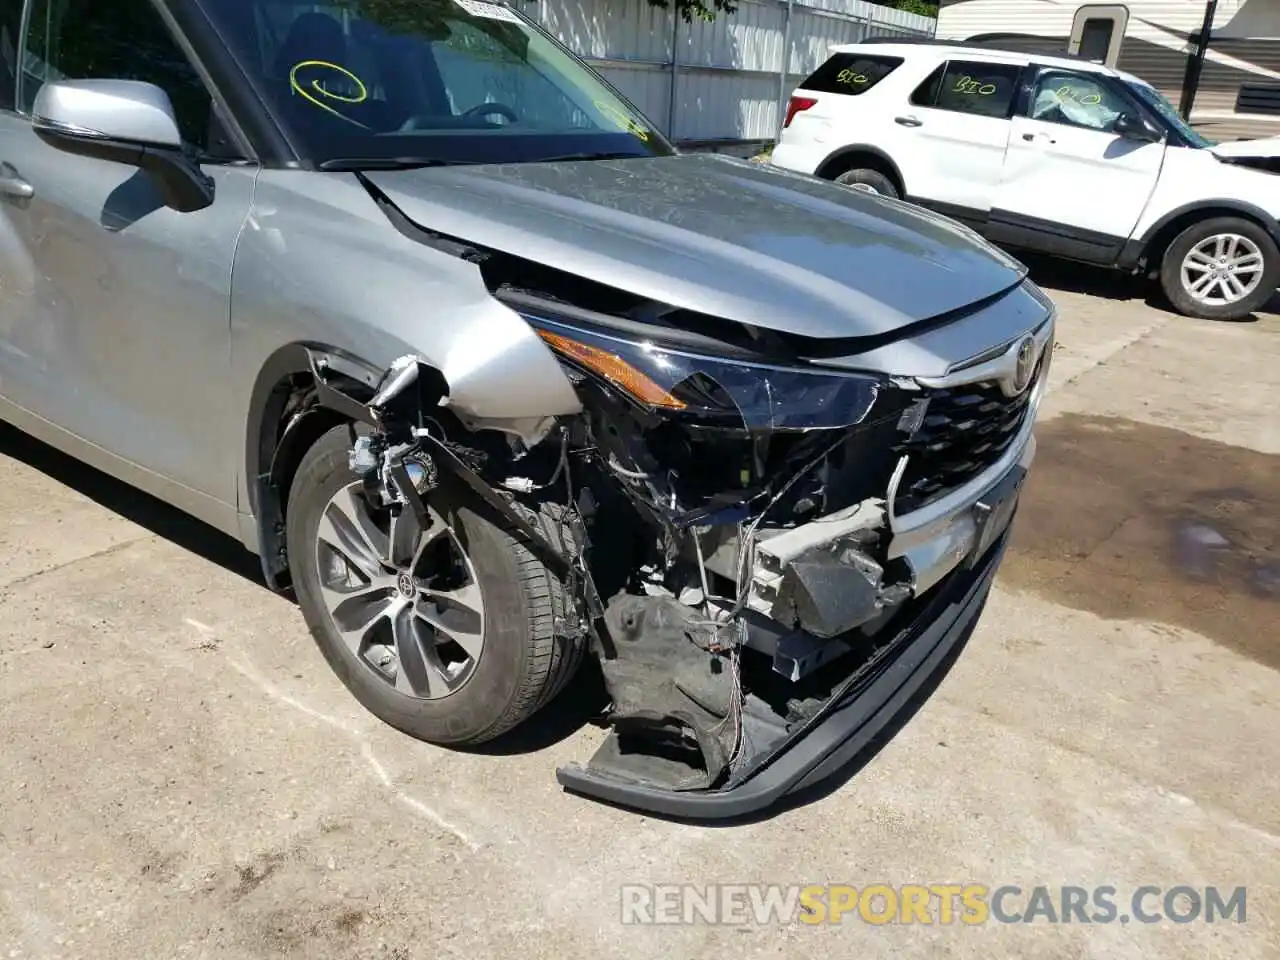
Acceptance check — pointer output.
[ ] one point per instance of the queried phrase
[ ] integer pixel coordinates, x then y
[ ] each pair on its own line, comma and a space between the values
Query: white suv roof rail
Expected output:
994, 53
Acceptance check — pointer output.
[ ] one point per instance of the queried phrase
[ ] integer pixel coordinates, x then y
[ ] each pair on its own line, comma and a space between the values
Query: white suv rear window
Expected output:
962, 86
850, 73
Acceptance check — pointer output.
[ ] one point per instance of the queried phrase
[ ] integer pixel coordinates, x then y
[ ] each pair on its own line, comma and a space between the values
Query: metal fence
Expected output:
727, 80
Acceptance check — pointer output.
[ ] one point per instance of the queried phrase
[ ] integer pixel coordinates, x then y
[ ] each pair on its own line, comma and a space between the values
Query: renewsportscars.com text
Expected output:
968, 904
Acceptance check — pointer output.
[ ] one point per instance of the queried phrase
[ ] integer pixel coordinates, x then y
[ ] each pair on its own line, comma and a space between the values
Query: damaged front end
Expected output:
758, 551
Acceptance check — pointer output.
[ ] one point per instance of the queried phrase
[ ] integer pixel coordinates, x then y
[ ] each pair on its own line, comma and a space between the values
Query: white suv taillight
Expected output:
794, 106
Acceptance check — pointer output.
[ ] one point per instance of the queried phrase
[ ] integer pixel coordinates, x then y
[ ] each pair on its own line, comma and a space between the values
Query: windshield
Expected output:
450, 81
1157, 101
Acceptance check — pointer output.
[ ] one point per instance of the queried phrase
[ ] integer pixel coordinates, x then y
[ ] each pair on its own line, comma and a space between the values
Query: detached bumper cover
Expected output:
842, 730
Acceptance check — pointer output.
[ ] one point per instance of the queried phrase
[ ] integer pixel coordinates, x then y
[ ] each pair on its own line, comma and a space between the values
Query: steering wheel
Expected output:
421, 120
491, 109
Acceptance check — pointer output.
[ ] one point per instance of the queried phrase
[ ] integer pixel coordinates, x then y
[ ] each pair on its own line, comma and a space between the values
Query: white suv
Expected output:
1056, 155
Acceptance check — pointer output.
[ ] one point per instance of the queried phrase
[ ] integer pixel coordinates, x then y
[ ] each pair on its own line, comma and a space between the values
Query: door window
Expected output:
1076, 100
979, 89
119, 40
10, 28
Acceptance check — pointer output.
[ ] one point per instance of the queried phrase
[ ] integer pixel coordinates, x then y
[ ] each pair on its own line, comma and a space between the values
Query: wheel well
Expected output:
285, 417
290, 422
860, 157
301, 394
1154, 250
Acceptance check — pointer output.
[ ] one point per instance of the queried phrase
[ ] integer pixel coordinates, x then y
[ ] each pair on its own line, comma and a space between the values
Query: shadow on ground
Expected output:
132, 504
1056, 274
583, 701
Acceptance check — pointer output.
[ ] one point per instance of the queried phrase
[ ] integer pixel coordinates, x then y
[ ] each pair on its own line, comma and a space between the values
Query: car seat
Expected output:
313, 36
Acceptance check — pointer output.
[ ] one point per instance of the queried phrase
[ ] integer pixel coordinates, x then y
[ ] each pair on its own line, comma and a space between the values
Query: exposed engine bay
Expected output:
724, 529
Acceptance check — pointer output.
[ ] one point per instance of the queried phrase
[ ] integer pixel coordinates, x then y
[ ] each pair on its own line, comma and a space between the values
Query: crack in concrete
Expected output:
66, 564
1115, 348
1221, 815
251, 673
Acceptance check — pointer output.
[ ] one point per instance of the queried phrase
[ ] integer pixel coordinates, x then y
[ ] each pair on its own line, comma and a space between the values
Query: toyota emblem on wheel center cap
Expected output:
404, 583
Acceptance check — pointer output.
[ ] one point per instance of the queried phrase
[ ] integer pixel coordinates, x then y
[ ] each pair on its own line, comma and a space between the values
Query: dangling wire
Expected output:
736, 703
746, 539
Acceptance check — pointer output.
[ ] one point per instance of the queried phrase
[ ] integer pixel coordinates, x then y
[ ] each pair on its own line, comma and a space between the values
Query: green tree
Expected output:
922, 7
701, 9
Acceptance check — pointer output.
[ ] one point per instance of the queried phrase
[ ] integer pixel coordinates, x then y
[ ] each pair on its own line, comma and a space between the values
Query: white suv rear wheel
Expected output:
869, 181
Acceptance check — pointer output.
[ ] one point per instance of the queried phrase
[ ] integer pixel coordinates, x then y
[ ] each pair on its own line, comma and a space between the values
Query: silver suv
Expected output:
406, 298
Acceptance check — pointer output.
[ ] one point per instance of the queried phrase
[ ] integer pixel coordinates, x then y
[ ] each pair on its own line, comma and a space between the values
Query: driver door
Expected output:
114, 308
1071, 185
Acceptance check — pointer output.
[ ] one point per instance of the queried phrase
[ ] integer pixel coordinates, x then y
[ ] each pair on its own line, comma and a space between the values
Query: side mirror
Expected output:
1135, 127
123, 121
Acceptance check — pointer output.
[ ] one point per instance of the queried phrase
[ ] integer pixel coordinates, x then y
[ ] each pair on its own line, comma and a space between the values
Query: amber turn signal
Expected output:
614, 369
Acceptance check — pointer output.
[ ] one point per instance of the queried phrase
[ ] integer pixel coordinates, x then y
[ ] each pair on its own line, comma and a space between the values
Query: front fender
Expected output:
1162, 230
320, 268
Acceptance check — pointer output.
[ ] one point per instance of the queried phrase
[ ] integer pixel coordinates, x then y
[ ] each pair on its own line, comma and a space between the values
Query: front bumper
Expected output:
845, 726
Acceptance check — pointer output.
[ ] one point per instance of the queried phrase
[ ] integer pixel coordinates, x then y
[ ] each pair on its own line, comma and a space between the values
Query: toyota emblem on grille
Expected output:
1025, 365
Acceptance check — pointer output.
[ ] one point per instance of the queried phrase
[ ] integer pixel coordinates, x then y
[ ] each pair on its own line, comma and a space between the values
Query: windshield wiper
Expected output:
387, 163
588, 156
418, 163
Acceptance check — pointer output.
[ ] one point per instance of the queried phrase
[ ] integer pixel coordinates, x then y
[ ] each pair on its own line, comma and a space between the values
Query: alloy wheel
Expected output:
405, 599
1222, 269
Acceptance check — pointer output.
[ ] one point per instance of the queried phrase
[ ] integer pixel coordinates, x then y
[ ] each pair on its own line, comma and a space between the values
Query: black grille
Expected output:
966, 429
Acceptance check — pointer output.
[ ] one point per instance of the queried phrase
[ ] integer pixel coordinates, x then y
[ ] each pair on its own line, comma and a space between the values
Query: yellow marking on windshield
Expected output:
849, 76
621, 120
360, 96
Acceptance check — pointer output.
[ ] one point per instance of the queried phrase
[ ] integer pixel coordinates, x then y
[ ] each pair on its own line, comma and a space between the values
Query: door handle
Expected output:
1038, 136
908, 121
13, 185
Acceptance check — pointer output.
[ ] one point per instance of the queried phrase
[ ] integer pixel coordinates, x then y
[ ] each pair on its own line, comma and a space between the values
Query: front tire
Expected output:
447, 634
869, 181
1220, 269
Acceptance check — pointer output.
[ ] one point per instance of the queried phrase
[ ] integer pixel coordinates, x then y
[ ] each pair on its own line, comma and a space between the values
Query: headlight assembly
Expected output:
714, 391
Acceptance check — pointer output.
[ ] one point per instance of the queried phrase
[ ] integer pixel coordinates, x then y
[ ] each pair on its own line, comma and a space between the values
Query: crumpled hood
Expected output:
1265, 147
726, 237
